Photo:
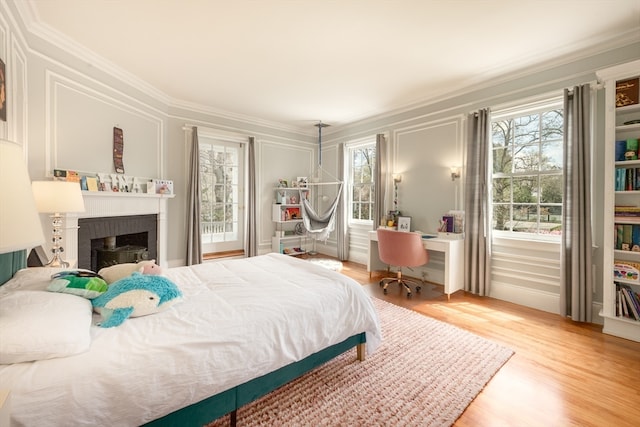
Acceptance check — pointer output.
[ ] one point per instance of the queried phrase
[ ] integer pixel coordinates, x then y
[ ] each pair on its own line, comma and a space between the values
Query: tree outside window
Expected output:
219, 192
363, 159
527, 172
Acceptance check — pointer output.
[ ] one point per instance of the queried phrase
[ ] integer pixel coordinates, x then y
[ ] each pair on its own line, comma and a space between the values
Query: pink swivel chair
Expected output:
401, 249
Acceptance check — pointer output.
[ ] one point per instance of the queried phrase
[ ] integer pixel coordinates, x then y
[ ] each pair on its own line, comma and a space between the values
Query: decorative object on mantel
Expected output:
113, 182
118, 149
57, 197
163, 186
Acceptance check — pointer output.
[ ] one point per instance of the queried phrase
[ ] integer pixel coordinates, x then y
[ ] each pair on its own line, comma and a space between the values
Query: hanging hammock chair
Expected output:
319, 226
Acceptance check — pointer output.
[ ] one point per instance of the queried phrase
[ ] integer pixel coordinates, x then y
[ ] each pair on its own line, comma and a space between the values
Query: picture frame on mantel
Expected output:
404, 223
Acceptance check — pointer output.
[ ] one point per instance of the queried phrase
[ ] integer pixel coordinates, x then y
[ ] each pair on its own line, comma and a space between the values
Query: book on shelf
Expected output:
627, 236
627, 210
627, 179
627, 92
629, 301
630, 219
626, 270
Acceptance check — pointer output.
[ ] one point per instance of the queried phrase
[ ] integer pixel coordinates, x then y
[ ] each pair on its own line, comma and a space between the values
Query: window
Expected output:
362, 160
221, 186
527, 170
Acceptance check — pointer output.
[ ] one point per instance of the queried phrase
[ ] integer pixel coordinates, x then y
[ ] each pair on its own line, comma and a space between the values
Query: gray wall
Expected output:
63, 107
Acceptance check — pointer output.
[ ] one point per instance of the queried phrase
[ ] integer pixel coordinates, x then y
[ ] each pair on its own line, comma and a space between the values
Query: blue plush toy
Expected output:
133, 296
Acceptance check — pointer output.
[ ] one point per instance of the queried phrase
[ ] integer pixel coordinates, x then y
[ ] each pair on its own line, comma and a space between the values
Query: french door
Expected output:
222, 194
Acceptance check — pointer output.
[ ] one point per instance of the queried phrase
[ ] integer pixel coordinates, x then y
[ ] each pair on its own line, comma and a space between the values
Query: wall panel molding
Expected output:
89, 131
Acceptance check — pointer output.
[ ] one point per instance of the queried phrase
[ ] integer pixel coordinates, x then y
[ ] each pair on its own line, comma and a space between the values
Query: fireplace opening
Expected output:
115, 240
120, 249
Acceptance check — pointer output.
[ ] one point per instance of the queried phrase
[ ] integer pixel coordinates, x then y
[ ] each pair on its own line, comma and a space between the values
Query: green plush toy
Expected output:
83, 283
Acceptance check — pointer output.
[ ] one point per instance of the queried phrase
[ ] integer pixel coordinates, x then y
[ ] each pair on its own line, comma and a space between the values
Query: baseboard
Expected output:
527, 297
541, 300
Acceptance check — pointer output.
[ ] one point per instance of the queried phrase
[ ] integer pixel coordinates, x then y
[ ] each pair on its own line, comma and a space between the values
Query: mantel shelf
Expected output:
123, 194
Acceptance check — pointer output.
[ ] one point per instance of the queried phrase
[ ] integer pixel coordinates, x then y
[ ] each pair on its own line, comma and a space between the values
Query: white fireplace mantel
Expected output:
109, 204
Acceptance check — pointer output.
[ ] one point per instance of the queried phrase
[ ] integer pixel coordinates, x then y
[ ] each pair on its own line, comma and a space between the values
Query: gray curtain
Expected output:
194, 246
380, 182
251, 234
342, 228
576, 286
477, 244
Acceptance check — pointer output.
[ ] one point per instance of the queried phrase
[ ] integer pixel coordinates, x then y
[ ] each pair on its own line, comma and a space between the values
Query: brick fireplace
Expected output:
120, 214
136, 235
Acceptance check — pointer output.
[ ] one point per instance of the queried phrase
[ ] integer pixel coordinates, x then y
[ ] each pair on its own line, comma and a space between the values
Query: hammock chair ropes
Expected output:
319, 226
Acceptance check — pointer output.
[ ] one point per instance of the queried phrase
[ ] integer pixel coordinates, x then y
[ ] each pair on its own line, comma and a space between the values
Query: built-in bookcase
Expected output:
621, 257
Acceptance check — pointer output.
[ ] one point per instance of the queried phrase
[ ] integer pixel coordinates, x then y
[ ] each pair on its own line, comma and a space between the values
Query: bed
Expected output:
243, 328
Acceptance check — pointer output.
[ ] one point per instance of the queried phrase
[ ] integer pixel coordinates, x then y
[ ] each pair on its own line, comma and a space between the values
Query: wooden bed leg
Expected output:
361, 351
233, 416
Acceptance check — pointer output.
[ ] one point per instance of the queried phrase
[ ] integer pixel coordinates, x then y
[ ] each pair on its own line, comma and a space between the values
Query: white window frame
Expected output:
525, 108
351, 148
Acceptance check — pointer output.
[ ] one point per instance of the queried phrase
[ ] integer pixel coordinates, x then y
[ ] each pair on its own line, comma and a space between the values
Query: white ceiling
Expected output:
295, 62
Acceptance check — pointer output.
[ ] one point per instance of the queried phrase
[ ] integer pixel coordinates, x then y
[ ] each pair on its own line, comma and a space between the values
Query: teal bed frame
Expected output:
229, 401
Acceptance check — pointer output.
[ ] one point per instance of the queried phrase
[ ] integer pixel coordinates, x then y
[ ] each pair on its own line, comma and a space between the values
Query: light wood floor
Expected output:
562, 373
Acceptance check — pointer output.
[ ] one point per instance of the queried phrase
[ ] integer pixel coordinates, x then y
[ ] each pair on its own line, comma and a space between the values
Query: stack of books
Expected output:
627, 302
627, 228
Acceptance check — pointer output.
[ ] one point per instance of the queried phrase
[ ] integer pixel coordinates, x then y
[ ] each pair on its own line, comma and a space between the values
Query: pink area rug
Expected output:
425, 373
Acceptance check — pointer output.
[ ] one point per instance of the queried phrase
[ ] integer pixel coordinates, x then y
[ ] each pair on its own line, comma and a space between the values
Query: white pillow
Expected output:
37, 325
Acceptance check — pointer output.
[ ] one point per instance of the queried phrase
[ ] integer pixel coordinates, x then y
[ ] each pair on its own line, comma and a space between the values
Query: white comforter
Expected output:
239, 319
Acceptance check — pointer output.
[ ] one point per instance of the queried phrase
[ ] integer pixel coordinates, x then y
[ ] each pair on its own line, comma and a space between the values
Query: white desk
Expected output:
453, 260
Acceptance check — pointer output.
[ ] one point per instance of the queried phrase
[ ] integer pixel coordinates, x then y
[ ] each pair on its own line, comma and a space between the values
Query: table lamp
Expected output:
20, 226
56, 198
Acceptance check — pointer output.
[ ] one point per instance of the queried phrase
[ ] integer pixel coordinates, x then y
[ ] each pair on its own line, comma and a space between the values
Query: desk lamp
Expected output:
20, 226
56, 198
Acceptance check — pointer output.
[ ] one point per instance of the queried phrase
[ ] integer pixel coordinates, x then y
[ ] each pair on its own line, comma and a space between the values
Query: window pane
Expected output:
526, 158
551, 188
527, 129
502, 190
525, 189
501, 217
550, 219
501, 133
552, 155
552, 125
502, 160
525, 218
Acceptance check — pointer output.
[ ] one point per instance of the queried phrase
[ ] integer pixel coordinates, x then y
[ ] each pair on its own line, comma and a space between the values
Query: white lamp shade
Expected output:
57, 196
20, 226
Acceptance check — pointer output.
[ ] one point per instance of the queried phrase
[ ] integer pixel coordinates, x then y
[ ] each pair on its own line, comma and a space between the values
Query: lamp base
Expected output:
57, 262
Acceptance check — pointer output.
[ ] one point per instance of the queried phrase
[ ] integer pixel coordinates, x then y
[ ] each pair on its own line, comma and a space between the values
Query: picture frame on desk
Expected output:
404, 223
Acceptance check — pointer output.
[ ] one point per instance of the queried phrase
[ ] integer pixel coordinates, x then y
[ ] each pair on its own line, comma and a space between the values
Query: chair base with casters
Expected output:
400, 281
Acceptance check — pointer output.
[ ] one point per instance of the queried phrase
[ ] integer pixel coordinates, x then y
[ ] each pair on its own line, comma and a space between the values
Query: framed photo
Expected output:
302, 181
404, 223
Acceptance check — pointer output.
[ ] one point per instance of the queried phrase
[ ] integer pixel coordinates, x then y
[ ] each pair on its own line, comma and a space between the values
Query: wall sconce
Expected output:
397, 178
455, 172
